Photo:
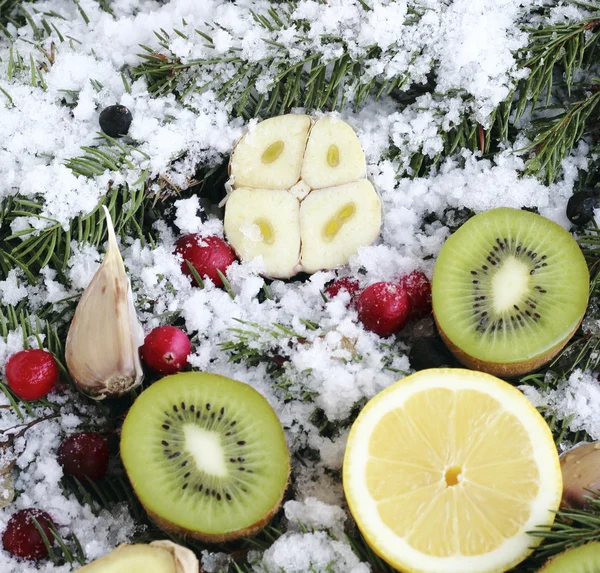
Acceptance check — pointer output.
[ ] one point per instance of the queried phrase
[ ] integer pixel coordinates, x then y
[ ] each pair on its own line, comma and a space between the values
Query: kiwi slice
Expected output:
583, 559
206, 456
509, 290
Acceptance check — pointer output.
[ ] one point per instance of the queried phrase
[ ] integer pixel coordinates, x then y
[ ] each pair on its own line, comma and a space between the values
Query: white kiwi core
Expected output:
510, 284
206, 449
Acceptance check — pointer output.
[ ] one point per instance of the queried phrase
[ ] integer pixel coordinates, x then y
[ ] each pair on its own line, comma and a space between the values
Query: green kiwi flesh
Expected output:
509, 290
206, 456
583, 559
131, 558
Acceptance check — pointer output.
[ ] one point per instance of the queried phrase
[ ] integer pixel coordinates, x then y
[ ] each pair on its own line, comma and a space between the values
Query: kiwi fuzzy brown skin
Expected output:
249, 531
506, 369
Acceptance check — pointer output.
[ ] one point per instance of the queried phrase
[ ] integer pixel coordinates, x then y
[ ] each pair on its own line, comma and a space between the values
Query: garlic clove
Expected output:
102, 349
185, 560
158, 557
581, 475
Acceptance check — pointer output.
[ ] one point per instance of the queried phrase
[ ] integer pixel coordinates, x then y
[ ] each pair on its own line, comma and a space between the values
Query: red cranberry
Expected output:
21, 537
206, 254
166, 349
418, 287
346, 284
384, 308
84, 455
31, 374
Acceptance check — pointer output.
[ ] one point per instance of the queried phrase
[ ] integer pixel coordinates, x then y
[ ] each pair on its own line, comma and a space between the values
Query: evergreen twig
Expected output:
557, 136
311, 81
571, 528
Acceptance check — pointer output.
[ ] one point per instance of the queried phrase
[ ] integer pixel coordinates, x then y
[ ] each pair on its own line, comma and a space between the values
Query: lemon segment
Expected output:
447, 470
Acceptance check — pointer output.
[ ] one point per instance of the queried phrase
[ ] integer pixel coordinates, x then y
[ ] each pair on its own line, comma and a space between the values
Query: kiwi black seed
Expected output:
583, 559
509, 289
206, 456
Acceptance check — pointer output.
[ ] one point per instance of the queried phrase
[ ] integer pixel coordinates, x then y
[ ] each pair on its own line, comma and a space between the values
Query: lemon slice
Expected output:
447, 470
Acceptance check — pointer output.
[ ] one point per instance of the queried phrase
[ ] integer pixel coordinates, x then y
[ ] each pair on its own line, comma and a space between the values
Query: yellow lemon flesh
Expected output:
448, 469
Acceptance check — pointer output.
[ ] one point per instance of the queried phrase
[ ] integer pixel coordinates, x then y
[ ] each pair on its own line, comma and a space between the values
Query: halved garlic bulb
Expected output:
102, 350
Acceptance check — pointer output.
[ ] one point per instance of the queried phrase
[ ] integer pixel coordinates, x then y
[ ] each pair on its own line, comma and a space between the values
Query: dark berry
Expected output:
21, 537
418, 287
166, 349
345, 284
31, 374
384, 308
581, 205
206, 254
115, 120
427, 352
84, 455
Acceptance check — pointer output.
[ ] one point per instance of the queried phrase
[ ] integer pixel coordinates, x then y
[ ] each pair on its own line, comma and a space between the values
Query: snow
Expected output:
318, 552
37, 480
465, 48
313, 514
575, 398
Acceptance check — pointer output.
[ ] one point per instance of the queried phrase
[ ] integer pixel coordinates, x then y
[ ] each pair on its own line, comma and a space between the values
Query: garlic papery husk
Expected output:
581, 475
158, 557
185, 560
102, 350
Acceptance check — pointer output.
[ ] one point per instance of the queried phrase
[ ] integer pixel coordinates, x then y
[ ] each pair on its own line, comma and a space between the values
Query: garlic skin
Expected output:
185, 560
135, 558
581, 475
102, 349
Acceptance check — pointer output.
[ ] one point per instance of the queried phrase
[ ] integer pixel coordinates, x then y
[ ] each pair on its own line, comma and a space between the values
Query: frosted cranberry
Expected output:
346, 284
22, 539
166, 349
384, 308
418, 287
206, 254
31, 374
84, 455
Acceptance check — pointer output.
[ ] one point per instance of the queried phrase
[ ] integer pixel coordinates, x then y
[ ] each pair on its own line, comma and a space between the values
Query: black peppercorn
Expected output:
115, 120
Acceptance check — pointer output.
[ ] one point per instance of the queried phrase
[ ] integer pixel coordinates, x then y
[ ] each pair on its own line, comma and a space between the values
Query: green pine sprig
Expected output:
565, 47
109, 154
571, 528
32, 249
557, 136
313, 81
558, 92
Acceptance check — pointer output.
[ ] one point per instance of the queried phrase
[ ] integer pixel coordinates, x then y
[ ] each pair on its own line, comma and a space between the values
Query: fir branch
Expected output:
255, 344
32, 249
571, 528
69, 549
312, 81
557, 136
558, 58
109, 155
565, 47
366, 554
19, 13
13, 12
